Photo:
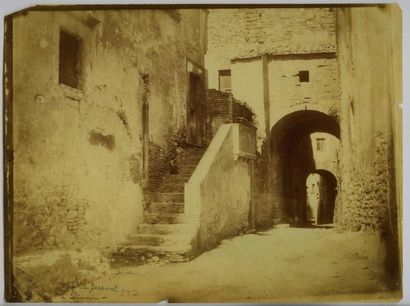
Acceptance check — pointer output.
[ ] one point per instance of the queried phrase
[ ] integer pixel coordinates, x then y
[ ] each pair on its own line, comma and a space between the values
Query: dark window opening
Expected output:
320, 144
70, 66
304, 76
225, 80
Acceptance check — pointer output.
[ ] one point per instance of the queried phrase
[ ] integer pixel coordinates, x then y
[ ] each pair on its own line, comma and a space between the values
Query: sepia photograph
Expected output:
230, 153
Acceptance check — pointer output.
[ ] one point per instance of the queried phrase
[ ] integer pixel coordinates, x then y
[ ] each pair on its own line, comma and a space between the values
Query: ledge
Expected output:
72, 93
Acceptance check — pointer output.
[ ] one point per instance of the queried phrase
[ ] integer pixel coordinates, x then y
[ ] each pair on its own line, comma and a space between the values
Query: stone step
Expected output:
163, 218
190, 162
161, 207
191, 156
142, 254
158, 249
329, 225
172, 187
159, 240
186, 171
162, 229
176, 178
167, 197
192, 151
173, 182
187, 166
146, 239
181, 173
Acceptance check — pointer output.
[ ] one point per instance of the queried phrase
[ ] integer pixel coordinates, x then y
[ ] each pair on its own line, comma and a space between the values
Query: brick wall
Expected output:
218, 110
158, 166
221, 108
161, 158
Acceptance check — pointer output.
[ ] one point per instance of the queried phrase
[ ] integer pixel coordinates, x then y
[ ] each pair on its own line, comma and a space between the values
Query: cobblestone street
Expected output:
267, 266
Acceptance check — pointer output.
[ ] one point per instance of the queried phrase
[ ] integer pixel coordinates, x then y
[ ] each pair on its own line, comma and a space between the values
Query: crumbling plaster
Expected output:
78, 152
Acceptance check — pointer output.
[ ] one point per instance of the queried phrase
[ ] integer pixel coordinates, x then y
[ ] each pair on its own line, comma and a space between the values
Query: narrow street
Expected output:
276, 265
139, 136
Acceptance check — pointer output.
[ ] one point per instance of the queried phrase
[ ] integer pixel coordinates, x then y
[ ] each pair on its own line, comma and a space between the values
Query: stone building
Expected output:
371, 123
321, 185
142, 135
107, 142
296, 69
282, 63
96, 98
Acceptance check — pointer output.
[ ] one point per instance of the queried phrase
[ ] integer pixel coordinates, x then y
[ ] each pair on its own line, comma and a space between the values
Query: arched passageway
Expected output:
292, 157
321, 187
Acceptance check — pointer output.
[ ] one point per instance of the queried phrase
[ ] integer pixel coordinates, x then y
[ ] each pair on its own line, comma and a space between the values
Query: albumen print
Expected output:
203, 153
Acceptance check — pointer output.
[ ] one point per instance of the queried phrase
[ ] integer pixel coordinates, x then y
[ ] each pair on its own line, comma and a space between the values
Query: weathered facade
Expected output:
371, 118
282, 63
79, 152
109, 141
90, 143
265, 49
297, 71
145, 135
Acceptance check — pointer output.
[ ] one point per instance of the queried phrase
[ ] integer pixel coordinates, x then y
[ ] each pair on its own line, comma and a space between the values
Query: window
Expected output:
225, 80
320, 144
304, 76
70, 66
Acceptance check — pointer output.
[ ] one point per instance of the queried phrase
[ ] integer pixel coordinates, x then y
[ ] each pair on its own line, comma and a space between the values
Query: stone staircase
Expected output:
165, 234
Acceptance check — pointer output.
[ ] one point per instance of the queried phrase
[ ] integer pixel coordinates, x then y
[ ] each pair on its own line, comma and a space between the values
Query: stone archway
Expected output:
292, 161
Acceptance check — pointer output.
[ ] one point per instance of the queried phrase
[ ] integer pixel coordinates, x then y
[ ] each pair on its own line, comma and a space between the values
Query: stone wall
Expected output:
265, 206
83, 156
287, 94
266, 50
368, 102
254, 32
78, 153
226, 202
221, 208
326, 158
222, 107
42, 276
370, 126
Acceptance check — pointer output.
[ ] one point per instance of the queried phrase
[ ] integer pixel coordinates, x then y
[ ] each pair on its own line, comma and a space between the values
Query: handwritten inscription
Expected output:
93, 292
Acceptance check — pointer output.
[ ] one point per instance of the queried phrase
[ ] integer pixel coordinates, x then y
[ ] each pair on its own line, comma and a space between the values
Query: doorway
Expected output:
321, 188
293, 158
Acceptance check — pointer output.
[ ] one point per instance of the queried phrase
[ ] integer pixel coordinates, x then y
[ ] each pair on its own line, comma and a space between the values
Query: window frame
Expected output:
225, 73
64, 77
304, 76
320, 144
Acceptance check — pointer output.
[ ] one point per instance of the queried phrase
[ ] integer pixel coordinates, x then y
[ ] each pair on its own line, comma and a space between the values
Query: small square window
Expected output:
225, 80
304, 76
320, 144
70, 65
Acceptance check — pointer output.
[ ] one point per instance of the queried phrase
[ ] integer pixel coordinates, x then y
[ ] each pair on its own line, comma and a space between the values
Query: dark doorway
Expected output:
196, 110
321, 187
292, 160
